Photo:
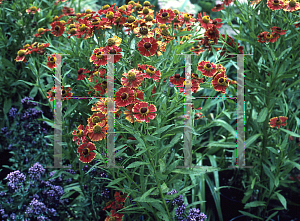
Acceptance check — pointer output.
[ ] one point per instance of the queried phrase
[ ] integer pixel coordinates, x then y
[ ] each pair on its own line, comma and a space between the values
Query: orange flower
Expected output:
278, 121
207, 68
124, 97
33, 10
291, 6
51, 61
98, 131
21, 55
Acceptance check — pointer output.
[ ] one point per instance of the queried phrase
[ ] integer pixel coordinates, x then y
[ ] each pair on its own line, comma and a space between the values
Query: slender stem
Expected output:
158, 183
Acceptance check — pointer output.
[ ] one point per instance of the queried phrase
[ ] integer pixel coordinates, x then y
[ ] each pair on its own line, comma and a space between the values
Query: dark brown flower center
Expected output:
177, 75
276, 1
80, 71
278, 122
144, 30
96, 119
151, 69
221, 80
112, 51
165, 14
218, 5
124, 96
56, 28
85, 151
147, 45
143, 110
215, 22
208, 65
52, 59
278, 28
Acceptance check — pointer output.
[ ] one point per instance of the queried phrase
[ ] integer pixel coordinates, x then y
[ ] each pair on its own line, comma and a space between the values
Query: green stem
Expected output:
157, 181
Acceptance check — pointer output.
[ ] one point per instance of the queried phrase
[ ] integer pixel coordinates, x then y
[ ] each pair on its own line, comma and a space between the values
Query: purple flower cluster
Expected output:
16, 179
179, 211
195, 215
31, 113
36, 207
105, 193
13, 112
171, 193
36, 171
27, 101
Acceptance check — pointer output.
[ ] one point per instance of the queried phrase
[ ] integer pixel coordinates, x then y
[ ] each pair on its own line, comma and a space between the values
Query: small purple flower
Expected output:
178, 200
36, 171
13, 216
85, 168
41, 218
3, 130
13, 112
2, 193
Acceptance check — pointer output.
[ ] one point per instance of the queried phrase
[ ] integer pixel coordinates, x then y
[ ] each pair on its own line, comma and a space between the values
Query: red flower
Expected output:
78, 134
278, 30
151, 72
220, 83
129, 114
144, 111
33, 10
207, 68
81, 76
204, 21
85, 152
218, 7
176, 79
113, 50
21, 55
124, 97
147, 46
278, 121
212, 33
98, 58
57, 28
120, 197
275, 4
51, 61
98, 131
194, 86
66, 11
133, 78
165, 16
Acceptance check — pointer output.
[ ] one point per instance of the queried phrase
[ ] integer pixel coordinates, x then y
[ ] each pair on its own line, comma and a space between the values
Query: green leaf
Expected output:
151, 138
146, 194
70, 109
281, 199
272, 150
30, 84
250, 140
136, 164
115, 181
163, 129
183, 33
254, 204
33, 92
262, 115
7, 105
164, 189
226, 126
290, 132
250, 215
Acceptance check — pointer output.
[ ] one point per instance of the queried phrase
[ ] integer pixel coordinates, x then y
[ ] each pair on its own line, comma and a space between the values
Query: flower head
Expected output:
144, 111
278, 121
85, 152
147, 46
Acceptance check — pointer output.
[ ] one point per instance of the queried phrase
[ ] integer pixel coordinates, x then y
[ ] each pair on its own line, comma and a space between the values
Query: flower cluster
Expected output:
267, 37
31, 113
13, 112
16, 180
36, 171
27, 101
